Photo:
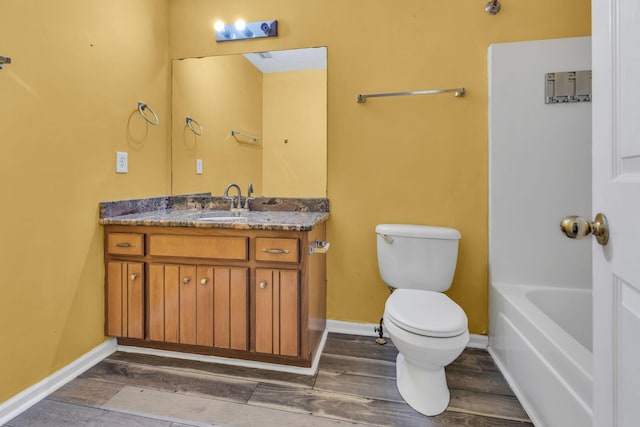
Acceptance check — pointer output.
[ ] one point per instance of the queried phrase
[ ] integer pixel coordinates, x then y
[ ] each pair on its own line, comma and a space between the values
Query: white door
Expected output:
616, 193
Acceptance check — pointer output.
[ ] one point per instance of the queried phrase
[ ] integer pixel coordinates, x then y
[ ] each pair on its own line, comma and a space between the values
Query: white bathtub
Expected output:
540, 337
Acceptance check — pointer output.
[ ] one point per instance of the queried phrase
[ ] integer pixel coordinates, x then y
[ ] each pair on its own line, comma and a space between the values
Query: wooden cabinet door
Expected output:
164, 299
231, 312
201, 305
188, 314
277, 312
222, 307
204, 305
173, 303
125, 299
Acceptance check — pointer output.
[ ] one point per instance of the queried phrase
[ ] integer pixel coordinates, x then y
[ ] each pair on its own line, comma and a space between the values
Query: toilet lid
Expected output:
427, 313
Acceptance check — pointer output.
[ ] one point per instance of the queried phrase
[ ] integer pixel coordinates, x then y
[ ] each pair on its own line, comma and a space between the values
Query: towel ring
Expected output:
141, 107
191, 122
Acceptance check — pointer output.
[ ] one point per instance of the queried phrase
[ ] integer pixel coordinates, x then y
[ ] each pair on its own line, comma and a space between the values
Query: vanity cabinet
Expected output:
248, 294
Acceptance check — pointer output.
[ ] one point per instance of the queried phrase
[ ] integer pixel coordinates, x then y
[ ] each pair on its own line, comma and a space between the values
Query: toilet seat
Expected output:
426, 313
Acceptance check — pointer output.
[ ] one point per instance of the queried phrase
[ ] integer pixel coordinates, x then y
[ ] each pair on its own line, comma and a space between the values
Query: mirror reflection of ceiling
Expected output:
289, 60
275, 101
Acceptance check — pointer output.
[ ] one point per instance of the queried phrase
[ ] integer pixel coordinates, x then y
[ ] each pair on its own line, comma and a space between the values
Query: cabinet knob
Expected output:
204, 281
263, 285
186, 280
133, 277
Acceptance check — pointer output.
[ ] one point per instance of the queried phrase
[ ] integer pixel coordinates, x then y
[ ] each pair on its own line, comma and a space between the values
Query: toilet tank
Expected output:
417, 256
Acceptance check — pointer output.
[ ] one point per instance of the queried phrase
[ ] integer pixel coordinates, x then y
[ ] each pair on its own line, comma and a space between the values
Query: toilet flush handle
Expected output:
386, 238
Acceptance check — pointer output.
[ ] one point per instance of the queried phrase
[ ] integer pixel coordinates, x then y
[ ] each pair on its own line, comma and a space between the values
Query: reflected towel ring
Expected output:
151, 120
191, 122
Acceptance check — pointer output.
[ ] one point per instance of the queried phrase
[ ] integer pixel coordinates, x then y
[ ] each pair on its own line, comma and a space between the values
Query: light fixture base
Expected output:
493, 7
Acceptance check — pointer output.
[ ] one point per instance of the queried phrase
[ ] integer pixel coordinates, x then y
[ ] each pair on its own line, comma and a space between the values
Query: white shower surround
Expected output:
539, 172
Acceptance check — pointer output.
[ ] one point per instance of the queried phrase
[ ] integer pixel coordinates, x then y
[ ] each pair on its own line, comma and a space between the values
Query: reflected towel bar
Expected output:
4, 60
251, 137
460, 92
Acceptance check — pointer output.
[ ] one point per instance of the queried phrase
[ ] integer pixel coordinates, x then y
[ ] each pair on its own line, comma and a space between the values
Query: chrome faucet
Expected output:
249, 193
239, 197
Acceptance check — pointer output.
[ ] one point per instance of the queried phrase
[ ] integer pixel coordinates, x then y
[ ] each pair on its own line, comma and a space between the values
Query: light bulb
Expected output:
241, 25
218, 26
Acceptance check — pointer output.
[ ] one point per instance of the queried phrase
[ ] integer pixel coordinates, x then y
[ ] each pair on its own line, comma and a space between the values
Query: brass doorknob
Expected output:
576, 227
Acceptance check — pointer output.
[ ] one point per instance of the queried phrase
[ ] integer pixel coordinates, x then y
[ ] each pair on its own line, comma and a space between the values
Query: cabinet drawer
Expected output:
125, 243
276, 249
213, 247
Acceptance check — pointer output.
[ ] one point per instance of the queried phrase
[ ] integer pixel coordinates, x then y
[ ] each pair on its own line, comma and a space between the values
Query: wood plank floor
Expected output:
355, 385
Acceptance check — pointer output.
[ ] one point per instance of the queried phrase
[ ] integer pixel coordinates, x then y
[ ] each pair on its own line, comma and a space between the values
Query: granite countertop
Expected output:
203, 211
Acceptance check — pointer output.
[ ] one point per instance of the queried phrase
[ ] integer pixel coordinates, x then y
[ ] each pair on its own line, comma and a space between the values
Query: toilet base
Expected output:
424, 390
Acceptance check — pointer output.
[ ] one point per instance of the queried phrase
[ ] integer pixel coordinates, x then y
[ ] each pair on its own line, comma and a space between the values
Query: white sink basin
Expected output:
223, 218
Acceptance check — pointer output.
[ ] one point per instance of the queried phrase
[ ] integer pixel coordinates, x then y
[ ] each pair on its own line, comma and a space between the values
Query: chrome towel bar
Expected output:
318, 247
460, 92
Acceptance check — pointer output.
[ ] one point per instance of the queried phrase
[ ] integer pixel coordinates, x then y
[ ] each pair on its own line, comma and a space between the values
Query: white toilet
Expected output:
428, 329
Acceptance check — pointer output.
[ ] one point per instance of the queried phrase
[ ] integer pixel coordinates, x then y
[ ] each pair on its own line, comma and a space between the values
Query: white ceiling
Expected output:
314, 58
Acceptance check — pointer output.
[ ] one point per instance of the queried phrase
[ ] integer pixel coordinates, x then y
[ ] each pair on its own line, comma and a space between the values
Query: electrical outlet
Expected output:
199, 166
122, 162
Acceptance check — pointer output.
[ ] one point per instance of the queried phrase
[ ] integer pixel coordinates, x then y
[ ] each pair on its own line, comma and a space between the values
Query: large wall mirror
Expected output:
263, 119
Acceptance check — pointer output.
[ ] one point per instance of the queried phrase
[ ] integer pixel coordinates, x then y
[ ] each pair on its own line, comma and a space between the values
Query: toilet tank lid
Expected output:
419, 231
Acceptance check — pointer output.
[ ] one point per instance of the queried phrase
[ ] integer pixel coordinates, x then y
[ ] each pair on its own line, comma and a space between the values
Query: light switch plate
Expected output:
199, 166
122, 162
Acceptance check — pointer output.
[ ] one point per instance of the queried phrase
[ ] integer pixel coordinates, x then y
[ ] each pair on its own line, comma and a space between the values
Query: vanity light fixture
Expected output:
243, 30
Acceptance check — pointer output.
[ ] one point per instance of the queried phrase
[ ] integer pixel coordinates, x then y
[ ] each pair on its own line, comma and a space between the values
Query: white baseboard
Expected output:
478, 341
230, 361
29, 397
367, 329
352, 328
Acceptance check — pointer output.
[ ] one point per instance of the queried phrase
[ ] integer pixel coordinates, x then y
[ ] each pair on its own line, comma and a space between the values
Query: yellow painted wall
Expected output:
68, 102
222, 93
417, 160
295, 134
